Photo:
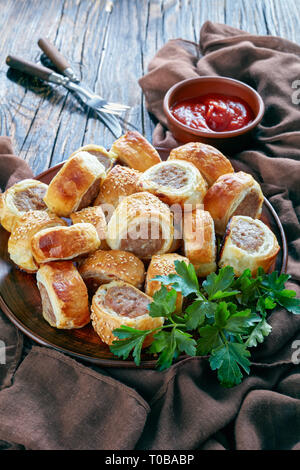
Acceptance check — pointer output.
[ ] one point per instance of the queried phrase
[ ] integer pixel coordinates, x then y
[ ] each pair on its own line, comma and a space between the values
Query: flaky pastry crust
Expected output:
210, 161
120, 182
19, 243
64, 295
94, 216
175, 182
141, 224
199, 241
162, 265
102, 267
24, 196
64, 243
105, 320
135, 151
233, 194
76, 185
106, 158
248, 244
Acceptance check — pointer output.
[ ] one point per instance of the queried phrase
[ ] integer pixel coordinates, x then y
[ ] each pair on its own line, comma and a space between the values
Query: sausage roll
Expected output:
103, 156
27, 195
248, 244
174, 182
199, 241
64, 295
63, 243
141, 224
76, 185
210, 162
162, 265
233, 194
102, 267
94, 216
120, 182
119, 303
135, 151
19, 243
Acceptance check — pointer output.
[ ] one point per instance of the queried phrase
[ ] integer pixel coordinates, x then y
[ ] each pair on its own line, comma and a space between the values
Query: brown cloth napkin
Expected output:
50, 401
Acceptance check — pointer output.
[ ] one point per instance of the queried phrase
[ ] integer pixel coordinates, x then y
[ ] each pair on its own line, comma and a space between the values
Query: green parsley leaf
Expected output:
196, 314
168, 353
210, 325
286, 298
264, 304
159, 343
185, 281
215, 283
131, 339
258, 334
222, 314
164, 303
275, 282
185, 342
240, 322
209, 339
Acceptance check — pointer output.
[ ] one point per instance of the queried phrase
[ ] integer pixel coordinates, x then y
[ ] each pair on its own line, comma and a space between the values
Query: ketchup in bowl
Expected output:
213, 112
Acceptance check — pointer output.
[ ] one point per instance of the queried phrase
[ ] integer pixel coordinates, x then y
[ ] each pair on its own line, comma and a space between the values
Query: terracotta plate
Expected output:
20, 300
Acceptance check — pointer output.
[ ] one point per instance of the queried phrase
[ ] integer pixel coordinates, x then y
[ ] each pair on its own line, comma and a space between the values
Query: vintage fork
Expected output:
64, 67
44, 73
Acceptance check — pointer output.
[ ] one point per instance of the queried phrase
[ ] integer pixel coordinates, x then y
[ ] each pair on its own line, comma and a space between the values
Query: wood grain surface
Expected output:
21, 302
109, 51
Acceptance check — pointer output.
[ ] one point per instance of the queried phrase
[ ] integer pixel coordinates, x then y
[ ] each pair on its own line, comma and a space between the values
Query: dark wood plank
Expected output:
110, 52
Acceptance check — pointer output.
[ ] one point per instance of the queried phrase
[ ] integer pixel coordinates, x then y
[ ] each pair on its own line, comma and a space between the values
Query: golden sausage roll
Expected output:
141, 224
64, 295
248, 244
233, 194
174, 182
64, 243
119, 303
162, 265
199, 241
102, 267
210, 162
120, 182
27, 195
135, 151
19, 243
103, 156
94, 216
76, 185
1, 205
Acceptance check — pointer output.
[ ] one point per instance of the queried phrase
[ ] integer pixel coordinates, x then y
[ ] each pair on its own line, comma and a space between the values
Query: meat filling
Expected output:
249, 205
126, 301
247, 236
170, 175
144, 241
30, 199
101, 157
48, 312
90, 195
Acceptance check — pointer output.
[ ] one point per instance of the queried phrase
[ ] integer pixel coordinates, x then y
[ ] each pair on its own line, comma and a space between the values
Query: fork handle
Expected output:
36, 70
54, 55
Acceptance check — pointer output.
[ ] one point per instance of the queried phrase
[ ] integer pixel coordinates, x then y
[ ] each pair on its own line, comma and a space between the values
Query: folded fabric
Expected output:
50, 401
12, 168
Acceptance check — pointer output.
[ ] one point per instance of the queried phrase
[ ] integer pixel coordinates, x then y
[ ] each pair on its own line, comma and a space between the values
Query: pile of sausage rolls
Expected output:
110, 221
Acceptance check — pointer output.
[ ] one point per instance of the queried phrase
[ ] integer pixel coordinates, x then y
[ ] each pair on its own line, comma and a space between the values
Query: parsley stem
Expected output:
223, 337
174, 325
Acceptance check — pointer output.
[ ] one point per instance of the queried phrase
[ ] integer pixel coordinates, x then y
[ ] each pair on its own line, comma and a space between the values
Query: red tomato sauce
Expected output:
213, 112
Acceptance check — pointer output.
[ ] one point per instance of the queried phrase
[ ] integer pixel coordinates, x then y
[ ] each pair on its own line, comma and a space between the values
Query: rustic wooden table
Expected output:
109, 52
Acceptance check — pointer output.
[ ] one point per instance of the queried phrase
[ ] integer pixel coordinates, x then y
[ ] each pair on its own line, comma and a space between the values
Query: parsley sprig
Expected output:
225, 317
